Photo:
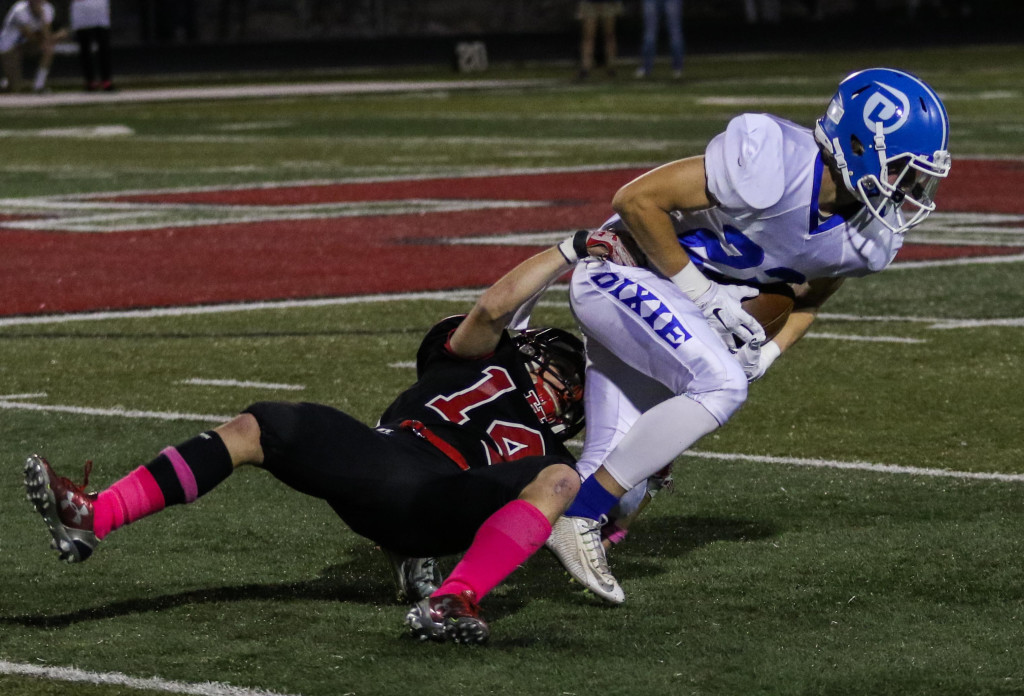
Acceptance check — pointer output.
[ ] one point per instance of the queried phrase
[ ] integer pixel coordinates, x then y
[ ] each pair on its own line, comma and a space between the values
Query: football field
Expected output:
167, 259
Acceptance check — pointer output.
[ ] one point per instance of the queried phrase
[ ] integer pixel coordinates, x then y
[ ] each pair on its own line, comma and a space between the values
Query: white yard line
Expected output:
461, 295
239, 383
72, 674
308, 89
442, 295
960, 261
111, 412
824, 463
860, 466
866, 339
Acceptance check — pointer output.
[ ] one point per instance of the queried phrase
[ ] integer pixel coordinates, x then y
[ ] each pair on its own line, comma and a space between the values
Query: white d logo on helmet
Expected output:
887, 106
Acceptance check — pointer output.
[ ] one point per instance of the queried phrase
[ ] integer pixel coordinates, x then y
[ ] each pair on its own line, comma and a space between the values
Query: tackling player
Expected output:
670, 350
481, 429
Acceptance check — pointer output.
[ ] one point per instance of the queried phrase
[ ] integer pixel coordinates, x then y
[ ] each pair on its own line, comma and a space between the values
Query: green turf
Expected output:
750, 578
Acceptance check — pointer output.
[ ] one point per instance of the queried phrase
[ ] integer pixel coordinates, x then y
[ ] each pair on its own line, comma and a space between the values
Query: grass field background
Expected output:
769, 570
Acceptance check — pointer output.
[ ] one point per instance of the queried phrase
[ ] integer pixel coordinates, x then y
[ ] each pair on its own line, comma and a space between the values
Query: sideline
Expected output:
304, 89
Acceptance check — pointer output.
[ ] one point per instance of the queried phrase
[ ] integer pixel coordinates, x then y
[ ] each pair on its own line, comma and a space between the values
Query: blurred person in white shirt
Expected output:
27, 28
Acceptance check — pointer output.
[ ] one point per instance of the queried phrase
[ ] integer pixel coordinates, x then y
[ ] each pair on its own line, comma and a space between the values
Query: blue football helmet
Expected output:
888, 134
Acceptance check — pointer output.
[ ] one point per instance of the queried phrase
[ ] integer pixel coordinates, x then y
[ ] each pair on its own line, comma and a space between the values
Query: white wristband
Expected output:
691, 281
568, 253
574, 247
769, 351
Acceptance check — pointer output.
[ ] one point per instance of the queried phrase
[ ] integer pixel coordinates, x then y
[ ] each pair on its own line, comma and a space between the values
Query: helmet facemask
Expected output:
554, 359
886, 132
906, 184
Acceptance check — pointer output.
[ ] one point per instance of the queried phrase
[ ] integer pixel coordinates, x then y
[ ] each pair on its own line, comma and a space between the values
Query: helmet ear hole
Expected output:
856, 146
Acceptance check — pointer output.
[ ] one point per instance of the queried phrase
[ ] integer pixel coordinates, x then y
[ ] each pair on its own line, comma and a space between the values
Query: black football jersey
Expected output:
481, 407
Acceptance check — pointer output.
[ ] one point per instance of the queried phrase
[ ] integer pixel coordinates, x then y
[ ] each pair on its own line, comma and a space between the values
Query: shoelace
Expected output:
85, 479
592, 540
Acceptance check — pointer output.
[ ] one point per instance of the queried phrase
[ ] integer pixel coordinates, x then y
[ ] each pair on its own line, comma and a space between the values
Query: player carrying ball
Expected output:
670, 349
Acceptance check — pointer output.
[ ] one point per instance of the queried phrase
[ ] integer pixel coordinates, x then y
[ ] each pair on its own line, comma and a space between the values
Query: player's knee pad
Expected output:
725, 397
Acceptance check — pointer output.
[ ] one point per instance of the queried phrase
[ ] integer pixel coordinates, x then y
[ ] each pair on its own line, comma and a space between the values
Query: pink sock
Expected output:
503, 542
134, 496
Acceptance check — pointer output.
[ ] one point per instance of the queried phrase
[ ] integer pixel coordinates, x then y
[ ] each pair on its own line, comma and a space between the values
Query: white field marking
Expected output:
403, 364
464, 295
111, 412
440, 295
470, 173
760, 100
69, 132
861, 466
89, 216
446, 173
978, 323
755, 100
237, 383
960, 261
620, 144
795, 461
527, 239
254, 125
309, 89
971, 229
16, 397
936, 322
72, 674
966, 229
837, 464
868, 339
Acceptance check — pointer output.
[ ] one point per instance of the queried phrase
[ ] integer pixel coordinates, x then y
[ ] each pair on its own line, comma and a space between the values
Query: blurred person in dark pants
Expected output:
652, 11
90, 20
590, 13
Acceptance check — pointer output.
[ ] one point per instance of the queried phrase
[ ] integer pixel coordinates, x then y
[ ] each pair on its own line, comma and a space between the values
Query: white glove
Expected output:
721, 307
604, 244
756, 358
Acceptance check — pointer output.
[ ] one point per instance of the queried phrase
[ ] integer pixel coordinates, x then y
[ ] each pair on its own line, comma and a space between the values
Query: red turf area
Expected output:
48, 272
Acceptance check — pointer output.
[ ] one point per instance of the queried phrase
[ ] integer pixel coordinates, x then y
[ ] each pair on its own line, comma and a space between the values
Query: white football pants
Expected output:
658, 377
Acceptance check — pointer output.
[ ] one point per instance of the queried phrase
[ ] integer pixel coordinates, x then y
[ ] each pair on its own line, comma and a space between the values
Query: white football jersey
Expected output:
766, 172
20, 15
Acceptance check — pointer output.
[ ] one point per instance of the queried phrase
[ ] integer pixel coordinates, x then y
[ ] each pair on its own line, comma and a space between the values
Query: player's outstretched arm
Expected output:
480, 331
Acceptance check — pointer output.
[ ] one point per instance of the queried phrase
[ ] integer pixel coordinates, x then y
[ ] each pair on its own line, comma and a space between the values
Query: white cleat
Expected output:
576, 542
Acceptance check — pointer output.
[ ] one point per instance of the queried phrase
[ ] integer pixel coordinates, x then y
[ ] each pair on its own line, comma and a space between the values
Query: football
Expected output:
771, 308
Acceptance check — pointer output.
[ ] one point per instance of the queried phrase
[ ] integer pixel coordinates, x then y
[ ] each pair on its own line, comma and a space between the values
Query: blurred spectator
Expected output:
941, 8
176, 21
90, 20
590, 13
768, 11
26, 29
673, 11
228, 10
